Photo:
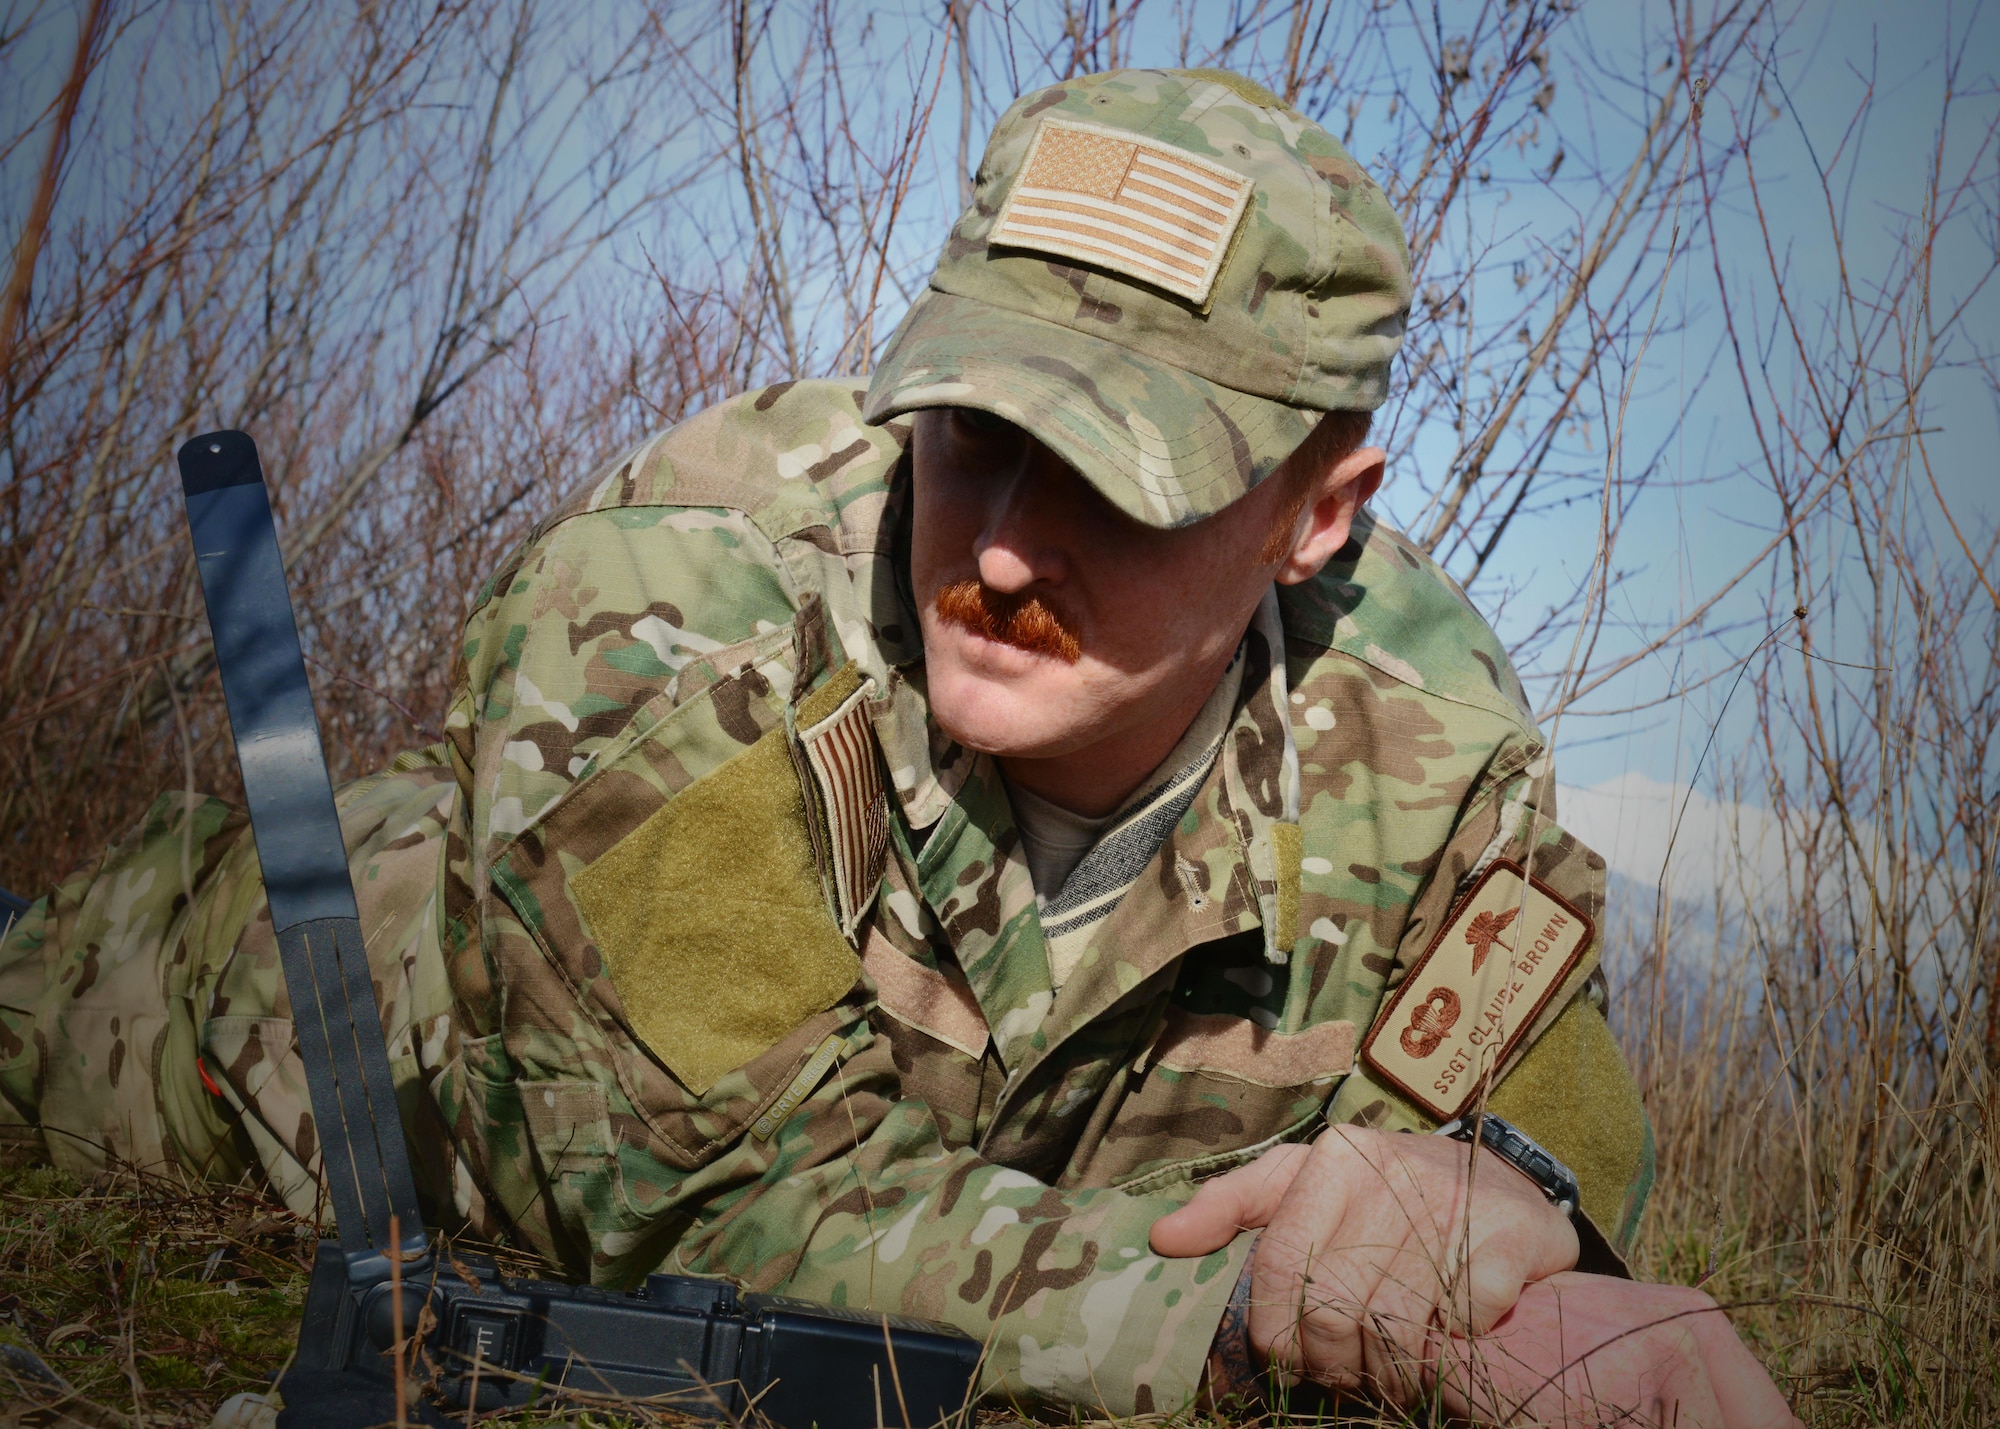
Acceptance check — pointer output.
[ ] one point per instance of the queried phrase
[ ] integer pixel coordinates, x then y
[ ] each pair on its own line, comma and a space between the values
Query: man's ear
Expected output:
1326, 521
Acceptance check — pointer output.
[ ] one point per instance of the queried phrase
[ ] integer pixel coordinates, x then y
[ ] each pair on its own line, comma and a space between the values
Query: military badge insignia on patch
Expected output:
850, 818
1477, 990
1136, 206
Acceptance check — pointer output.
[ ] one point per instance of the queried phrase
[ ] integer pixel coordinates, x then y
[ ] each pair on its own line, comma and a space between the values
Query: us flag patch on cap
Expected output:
851, 830
1136, 206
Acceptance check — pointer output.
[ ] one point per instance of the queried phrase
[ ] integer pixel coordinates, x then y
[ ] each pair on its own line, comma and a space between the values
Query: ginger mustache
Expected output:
1025, 622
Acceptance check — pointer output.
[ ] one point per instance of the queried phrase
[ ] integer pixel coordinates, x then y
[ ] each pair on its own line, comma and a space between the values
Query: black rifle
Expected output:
491, 1339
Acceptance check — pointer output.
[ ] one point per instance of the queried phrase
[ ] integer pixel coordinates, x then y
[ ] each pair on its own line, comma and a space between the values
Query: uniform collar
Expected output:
1218, 873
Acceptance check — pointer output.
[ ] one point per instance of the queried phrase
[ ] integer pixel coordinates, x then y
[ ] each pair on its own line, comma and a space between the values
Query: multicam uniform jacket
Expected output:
699, 945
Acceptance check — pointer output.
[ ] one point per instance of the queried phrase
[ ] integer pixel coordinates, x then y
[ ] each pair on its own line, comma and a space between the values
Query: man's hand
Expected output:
1372, 1249
1373, 1272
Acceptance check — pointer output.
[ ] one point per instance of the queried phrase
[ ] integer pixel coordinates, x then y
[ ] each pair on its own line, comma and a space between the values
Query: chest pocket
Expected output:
1215, 1090
688, 963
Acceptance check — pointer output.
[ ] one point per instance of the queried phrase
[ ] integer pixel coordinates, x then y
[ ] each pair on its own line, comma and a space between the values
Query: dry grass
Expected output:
155, 1304
1868, 1308
155, 1301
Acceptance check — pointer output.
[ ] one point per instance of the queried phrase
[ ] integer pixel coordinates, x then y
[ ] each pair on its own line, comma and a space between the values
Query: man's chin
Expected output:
992, 731
1009, 715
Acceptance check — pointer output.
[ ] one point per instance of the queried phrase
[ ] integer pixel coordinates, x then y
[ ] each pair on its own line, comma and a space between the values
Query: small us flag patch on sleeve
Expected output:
1135, 206
852, 827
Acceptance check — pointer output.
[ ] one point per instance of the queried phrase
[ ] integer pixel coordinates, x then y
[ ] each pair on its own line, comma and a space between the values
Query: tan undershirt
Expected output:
1053, 839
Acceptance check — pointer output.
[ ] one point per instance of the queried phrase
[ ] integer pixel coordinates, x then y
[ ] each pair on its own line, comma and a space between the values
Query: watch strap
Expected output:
1523, 1153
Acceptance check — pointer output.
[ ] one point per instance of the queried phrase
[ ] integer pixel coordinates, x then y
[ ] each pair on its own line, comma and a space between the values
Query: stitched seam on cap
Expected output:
1322, 192
1157, 127
1250, 217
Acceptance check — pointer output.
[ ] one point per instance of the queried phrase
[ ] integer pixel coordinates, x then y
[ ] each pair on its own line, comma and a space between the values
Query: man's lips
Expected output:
1024, 622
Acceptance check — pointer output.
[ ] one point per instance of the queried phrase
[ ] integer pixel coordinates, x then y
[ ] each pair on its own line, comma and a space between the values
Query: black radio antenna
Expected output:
297, 831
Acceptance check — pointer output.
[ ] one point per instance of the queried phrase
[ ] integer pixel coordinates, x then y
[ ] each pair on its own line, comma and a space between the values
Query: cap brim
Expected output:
1165, 446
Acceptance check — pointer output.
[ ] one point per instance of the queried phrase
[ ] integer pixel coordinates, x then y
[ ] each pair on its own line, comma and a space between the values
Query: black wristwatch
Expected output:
1523, 1153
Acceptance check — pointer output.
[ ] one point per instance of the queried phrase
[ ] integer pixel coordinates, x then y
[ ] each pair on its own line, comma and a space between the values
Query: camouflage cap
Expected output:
1166, 276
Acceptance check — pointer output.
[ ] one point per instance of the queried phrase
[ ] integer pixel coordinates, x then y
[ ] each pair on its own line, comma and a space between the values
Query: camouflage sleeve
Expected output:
624, 692
1564, 1081
99, 988
143, 1012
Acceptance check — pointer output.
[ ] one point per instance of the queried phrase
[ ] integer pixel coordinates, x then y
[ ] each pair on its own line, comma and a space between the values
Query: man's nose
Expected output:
1021, 541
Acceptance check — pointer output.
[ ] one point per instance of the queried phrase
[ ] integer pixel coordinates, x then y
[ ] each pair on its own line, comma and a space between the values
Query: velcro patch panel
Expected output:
1135, 206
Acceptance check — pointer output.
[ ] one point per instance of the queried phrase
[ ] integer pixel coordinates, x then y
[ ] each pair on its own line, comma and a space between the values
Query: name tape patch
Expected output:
1135, 206
1477, 989
801, 1087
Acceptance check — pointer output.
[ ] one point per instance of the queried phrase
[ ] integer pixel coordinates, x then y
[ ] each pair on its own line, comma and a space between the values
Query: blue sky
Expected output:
1691, 536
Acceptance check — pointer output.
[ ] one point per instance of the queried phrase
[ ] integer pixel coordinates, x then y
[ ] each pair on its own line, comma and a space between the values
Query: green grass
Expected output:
152, 1303
156, 1301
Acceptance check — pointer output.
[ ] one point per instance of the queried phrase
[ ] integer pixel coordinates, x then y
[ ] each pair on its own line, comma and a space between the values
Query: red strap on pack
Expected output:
201, 1068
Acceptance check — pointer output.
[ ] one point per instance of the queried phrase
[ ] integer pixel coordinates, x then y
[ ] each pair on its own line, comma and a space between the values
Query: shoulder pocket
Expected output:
674, 897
